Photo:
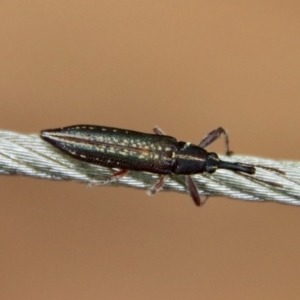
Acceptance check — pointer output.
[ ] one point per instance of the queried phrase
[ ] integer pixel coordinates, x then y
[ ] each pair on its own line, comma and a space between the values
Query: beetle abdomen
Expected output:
115, 148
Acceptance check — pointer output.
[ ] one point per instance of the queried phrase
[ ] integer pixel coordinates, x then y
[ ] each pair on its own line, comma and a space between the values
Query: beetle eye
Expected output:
210, 168
213, 155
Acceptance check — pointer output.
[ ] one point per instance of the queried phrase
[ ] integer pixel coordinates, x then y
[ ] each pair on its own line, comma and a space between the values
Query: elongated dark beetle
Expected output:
137, 151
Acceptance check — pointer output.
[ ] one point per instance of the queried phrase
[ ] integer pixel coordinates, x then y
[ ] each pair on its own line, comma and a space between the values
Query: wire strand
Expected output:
29, 155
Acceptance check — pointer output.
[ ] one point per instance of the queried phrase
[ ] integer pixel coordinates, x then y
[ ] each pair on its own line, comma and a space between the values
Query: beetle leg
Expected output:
157, 186
113, 177
212, 136
118, 175
158, 131
192, 189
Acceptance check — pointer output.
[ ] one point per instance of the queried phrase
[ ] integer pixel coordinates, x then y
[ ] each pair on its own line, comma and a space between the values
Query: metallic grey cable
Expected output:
29, 155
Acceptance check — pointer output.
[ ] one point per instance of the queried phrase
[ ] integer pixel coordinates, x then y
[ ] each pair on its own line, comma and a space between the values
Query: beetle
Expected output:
136, 151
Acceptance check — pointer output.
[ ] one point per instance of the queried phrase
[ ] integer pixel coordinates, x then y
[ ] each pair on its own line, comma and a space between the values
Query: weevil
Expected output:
129, 150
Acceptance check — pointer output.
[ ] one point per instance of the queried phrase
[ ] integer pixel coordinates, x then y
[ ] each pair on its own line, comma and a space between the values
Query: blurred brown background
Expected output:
189, 67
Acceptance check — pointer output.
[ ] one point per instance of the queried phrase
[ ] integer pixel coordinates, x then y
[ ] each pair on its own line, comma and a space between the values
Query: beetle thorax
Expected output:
189, 159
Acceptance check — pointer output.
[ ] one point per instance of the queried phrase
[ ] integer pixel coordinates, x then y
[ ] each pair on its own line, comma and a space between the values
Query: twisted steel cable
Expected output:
29, 155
